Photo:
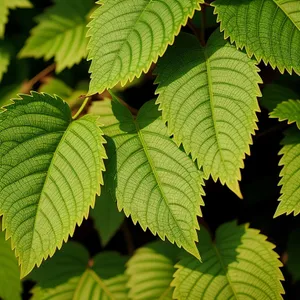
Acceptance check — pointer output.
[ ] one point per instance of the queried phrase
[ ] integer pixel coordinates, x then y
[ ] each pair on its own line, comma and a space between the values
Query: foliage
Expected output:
293, 249
153, 181
211, 80
268, 29
275, 94
288, 111
151, 270
289, 200
75, 280
240, 263
40, 167
123, 45
60, 33
10, 285
4, 60
5, 6
171, 102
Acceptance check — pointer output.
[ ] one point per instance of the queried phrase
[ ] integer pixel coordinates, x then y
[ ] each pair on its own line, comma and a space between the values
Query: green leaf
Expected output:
154, 182
106, 216
293, 250
127, 36
10, 284
13, 4
290, 173
4, 60
109, 264
210, 18
268, 29
60, 33
151, 270
3, 17
288, 111
51, 169
66, 263
8, 92
5, 5
292, 9
91, 284
62, 292
239, 264
55, 86
273, 94
209, 100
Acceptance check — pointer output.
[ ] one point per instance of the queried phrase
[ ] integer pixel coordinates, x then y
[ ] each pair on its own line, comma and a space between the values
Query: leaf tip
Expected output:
235, 187
279, 211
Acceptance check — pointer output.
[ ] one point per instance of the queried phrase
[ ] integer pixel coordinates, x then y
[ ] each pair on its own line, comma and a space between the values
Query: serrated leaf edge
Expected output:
251, 54
124, 81
8, 235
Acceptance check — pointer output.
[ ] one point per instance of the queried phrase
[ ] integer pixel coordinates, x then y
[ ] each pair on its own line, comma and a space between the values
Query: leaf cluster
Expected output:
73, 146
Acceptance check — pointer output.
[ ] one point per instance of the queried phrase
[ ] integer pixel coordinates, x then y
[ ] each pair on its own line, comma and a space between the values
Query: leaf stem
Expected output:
81, 108
128, 238
29, 84
196, 32
199, 32
273, 129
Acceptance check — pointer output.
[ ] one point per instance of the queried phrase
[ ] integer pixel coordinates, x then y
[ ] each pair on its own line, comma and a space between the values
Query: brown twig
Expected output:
196, 32
199, 33
90, 263
133, 110
106, 94
128, 238
278, 127
27, 86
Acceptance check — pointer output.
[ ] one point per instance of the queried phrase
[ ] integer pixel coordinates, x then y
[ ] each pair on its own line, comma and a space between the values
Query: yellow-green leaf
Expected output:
153, 181
239, 264
10, 283
51, 170
209, 100
127, 36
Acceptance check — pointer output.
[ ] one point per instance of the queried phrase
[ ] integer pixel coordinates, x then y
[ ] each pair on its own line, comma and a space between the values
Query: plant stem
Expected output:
81, 108
128, 238
196, 32
278, 127
199, 33
29, 84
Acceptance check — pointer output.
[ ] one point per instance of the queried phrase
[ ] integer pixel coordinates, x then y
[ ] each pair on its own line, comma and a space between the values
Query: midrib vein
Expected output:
102, 285
212, 106
287, 14
45, 184
157, 179
90, 272
128, 35
225, 271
